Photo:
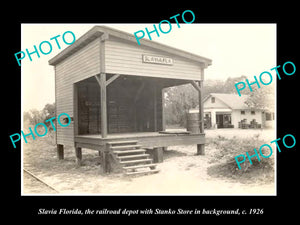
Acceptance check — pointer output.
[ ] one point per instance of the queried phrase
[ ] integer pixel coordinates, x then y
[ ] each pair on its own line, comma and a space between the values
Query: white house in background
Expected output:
230, 111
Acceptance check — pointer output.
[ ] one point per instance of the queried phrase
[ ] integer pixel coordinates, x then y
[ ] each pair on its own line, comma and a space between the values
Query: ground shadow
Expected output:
168, 154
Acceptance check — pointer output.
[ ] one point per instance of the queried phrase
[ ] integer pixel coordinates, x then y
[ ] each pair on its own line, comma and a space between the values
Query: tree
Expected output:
229, 85
49, 111
35, 116
213, 86
178, 101
219, 86
262, 98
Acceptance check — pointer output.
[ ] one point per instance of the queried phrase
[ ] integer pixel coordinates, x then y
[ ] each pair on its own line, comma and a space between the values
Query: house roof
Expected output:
233, 101
98, 31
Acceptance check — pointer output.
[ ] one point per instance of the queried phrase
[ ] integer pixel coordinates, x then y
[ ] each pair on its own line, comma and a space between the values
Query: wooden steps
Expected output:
136, 161
129, 151
125, 147
132, 158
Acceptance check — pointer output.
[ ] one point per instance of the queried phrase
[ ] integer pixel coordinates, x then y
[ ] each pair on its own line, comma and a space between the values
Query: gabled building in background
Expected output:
230, 111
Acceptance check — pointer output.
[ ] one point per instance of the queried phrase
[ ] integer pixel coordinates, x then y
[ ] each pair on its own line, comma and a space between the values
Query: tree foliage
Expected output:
179, 99
35, 116
49, 110
262, 98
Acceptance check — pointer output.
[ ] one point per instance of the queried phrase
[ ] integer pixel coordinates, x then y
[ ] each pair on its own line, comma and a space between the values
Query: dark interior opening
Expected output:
89, 119
134, 104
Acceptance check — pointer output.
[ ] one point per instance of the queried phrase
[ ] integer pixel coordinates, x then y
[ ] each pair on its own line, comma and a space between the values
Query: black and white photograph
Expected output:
185, 113
106, 111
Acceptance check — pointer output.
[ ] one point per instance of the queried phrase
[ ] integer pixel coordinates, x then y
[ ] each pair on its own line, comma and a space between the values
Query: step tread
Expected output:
124, 147
132, 156
142, 172
139, 166
121, 142
135, 161
129, 151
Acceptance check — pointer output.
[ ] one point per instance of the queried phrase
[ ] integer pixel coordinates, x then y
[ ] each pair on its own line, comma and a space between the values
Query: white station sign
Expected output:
157, 60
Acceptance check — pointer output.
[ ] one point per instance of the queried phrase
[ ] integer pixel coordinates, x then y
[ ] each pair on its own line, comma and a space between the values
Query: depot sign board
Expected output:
157, 60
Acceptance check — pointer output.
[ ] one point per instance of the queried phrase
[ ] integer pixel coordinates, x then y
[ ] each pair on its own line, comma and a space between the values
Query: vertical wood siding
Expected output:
126, 58
80, 65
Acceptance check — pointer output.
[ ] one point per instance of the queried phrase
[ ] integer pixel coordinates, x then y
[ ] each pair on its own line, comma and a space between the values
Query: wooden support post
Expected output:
163, 110
158, 155
199, 88
78, 154
200, 149
103, 105
98, 79
201, 111
114, 77
75, 108
60, 152
105, 161
154, 108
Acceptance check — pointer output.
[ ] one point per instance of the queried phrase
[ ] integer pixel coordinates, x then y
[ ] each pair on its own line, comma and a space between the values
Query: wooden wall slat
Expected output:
126, 58
79, 66
121, 57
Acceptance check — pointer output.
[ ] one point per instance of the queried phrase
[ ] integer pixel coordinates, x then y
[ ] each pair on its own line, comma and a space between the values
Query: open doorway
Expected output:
223, 120
134, 104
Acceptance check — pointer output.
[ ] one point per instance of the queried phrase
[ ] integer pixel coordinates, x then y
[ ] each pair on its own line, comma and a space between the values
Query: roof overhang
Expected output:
105, 32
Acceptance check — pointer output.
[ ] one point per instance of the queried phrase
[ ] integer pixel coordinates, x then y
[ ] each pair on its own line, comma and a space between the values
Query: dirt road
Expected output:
182, 172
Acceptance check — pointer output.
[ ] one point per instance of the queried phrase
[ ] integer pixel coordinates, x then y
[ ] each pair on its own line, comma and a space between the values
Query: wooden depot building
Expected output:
113, 90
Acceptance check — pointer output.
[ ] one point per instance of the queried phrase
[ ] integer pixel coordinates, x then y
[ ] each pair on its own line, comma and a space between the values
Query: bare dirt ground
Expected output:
35, 186
182, 172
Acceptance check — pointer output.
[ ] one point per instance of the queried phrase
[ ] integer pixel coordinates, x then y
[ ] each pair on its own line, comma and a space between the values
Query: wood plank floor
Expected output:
125, 135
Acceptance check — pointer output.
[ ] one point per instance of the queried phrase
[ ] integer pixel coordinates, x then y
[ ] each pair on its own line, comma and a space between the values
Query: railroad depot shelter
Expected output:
112, 89
230, 111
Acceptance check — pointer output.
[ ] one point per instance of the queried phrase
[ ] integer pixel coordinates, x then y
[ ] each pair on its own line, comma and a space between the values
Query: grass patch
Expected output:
224, 159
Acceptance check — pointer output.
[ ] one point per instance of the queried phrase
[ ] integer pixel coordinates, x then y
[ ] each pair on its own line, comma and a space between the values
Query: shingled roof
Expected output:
233, 101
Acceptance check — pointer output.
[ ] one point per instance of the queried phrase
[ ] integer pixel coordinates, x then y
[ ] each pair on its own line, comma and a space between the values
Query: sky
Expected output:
235, 50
